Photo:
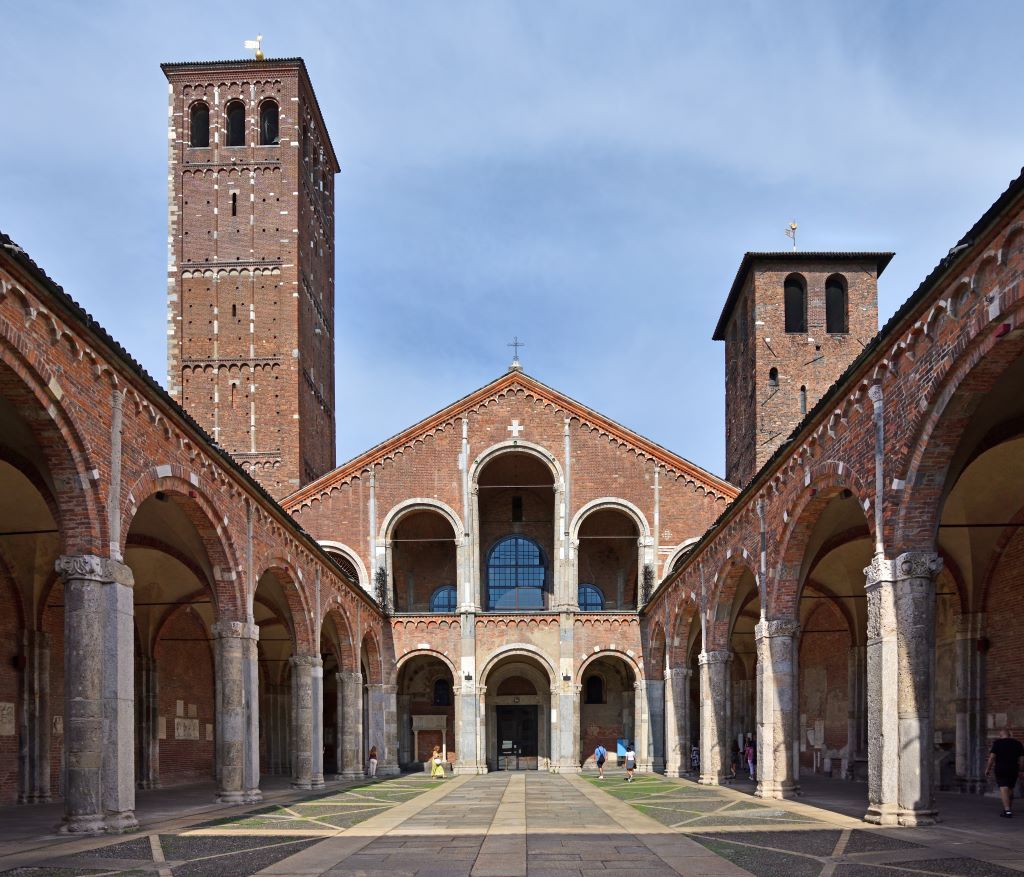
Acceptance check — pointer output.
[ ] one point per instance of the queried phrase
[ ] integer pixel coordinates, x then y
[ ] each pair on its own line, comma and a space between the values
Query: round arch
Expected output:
289, 579
610, 503
677, 552
419, 504
516, 446
521, 650
427, 653
630, 661
353, 557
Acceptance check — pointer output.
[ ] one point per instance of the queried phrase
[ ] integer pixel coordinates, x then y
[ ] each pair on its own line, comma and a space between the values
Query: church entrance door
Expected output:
517, 737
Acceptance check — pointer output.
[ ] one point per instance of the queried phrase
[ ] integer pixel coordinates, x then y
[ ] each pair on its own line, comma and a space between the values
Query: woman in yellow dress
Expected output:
436, 764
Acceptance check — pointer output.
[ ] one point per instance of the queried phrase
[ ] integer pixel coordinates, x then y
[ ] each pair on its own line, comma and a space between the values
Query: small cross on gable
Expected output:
516, 428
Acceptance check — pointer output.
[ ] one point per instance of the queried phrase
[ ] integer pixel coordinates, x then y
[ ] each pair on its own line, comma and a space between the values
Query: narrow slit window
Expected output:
803, 400
234, 203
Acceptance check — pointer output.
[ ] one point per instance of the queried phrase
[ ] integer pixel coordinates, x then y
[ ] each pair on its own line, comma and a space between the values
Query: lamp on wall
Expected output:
468, 677
566, 677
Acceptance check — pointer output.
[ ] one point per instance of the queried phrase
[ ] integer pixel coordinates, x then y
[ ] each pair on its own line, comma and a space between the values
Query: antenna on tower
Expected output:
256, 45
791, 232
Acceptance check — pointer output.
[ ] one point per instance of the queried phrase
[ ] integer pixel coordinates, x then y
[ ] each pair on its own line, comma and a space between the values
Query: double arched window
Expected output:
590, 598
836, 307
234, 114
516, 575
268, 123
795, 296
199, 125
443, 599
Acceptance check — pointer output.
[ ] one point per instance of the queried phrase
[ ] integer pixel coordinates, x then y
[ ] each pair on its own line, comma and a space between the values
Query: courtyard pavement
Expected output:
525, 824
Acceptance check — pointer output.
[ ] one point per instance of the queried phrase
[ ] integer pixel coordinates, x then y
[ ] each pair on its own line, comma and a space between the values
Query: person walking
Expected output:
1006, 757
436, 764
630, 762
600, 757
695, 758
748, 754
734, 761
372, 758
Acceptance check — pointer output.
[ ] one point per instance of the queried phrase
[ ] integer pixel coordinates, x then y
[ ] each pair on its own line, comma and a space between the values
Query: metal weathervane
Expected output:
791, 232
256, 45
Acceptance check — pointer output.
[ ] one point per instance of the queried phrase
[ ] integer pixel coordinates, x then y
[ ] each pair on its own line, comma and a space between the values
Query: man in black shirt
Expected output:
1006, 757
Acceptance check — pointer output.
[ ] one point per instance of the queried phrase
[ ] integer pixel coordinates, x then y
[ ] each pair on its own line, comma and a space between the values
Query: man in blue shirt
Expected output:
600, 756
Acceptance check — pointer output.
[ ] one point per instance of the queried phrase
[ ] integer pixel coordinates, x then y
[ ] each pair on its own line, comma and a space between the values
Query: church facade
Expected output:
194, 592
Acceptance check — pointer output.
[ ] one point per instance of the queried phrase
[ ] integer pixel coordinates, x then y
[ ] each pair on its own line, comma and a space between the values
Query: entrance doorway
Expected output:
517, 737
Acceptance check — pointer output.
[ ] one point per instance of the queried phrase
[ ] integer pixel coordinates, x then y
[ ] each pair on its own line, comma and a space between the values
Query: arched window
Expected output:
836, 319
590, 598
442, 693
235, 113
199, 125
593, 689
443, 599
803, 400
795, 294
268, 123
516, 575
773, 378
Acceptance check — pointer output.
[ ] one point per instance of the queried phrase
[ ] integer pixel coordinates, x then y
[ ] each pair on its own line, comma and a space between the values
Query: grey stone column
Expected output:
148, 709
714, 677
882, 675
350, 698
339, 734
970, 703
99, 712
232, 642
251, 718
777, 714
317, 730
565, 695
915, 628
651, 732
384, 727
34, 720
677, 721
857, 707
302, 720
405, 735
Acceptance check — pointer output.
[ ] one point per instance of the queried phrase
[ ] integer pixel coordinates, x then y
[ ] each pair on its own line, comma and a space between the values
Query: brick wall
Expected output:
824, 680
10, 686
1004, 627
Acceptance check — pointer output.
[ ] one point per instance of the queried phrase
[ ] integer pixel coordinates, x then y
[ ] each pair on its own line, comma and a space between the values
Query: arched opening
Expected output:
268, 123
234, 117
277, 643
608, 557
837, 320
517, 532
423, 559
517, 714
444, 600
741, 722
591, 598
199, 125
609, 709
426, 711
175, 608
795, 302
773, 378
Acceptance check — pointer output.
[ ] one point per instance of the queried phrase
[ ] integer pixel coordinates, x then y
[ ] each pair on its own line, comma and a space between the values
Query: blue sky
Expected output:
586, 175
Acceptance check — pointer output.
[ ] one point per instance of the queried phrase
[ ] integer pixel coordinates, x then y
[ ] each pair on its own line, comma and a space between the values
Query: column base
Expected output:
37, 798
116, 823
253, 796
230, 797
351, 774
565, 768
318, 782
709, 779
882, 814
915, 818
302, 785
971, 786
388, 770
459, 769
148, 785
91, 823
777, 791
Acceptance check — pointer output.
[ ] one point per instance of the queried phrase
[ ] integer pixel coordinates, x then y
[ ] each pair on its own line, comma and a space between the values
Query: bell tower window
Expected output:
795, 295
199, 125
235, 115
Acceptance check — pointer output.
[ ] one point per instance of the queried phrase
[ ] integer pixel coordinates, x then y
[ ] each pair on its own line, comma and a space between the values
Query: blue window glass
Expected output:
443, 599
590, 598
516, 575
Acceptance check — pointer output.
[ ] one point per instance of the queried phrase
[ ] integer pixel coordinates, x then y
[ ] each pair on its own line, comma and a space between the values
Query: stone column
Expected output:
642, 729
99, 712
915, 629
470, 757
777, 714
565, 696
406, 744
34, 751
714, 673
233, 706
251, 718
384, 727
350, 699
657, 722
317, 729
677, 721
856, 713
302, 720
148, 709
970, 703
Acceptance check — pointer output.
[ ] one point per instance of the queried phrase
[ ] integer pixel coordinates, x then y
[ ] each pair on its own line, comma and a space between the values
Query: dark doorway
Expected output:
517, 737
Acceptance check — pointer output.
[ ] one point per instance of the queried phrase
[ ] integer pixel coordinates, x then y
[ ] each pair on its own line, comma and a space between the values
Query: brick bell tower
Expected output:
250, 273
792, 324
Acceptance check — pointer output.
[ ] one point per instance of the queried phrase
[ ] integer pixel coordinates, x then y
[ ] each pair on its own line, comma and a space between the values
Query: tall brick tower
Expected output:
792, 324
250, 274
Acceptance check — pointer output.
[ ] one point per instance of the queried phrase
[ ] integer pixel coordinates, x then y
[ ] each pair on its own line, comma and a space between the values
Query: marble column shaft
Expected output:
857, 707
970, 703
302, 719
383, 710
677, 721
714, 688
233, 643
654, 702
777, 714
148, 709
34, 720
99, 697
350, 722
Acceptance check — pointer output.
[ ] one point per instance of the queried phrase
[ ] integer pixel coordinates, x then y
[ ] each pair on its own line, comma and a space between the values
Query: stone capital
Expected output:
678, 673
773, 627
383, 688
640, 685
720, 656
306, 661
235, 630
878, 571
909, 565
351, 678
93, 568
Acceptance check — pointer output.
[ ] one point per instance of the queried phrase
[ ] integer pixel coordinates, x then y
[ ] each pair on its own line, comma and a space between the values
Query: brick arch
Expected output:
63, 448
1005, 538
419, 504
947, 410
348, 660
9, 584
654, 660
830, 480
289, 580
428, 653
724, 593
678, 647
166, 616
227, 586
629, 661
374, 665
511, 446
610, 503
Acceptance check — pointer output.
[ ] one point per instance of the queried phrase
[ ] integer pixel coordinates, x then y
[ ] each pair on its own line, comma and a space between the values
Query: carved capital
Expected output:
875, 392
91, 567
678, 673
917, 565
350, 678
306, 661
880, 570
235, 630
772, 627
720, 656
